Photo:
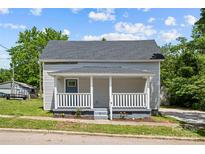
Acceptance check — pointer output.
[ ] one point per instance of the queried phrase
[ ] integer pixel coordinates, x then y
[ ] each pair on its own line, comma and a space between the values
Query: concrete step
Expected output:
100, 113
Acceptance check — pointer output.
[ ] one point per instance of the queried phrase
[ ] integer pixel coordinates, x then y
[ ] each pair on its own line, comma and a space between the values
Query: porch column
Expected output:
55, 93
110, 96
91, 92
148, 92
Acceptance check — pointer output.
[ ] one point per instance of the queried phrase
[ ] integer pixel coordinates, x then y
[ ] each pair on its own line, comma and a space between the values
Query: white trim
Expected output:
99, 74
89, 60
91, 91
110, 96
71, 79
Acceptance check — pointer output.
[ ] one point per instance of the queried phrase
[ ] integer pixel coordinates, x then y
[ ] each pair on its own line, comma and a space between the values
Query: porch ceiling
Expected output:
105, 71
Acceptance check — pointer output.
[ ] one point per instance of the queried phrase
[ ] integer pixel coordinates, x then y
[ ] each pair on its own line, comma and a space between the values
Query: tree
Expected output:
103, 39
25, 55
5, 75
183, 75
198, 34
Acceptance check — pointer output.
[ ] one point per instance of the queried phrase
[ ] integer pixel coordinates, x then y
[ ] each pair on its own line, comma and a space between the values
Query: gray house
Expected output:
16, 88
102, 79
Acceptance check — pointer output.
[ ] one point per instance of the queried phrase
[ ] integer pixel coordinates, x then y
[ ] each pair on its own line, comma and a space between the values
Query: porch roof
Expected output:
92, 70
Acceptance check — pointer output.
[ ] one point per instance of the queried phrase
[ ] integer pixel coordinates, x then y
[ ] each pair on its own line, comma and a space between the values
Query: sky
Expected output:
162, 25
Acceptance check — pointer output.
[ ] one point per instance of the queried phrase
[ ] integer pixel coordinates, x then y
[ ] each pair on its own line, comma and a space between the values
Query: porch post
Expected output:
148, 93
91, 91
55, 93
110, 96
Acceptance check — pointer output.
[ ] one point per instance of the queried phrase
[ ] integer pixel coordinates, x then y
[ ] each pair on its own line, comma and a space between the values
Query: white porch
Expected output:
112, 92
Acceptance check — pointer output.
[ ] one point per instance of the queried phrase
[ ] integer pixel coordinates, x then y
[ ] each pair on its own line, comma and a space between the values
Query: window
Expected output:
72, 83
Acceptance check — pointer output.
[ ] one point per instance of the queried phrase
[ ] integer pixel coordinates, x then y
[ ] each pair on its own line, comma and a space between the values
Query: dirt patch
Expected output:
85, 117
146, 119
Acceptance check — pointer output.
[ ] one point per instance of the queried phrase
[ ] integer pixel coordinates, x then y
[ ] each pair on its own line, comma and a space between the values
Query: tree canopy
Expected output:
183, 71
25, 55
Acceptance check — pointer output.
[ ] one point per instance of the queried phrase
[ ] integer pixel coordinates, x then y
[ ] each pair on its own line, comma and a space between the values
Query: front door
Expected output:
100, 93
71, 86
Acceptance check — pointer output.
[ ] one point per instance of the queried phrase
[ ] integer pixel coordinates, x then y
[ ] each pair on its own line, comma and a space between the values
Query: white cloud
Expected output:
12, 26
113, 36
4, 11
151, 19
190, 20
182, 25
144, 9
137, 28
125, 15
170, 35
66, 32
102, 15
36, 11
76, 10
170, 21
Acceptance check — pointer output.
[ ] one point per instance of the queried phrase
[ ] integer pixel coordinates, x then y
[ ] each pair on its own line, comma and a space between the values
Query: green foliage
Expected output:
78, 113
198, 34
25, 55
183, 71
103, 39
5, 75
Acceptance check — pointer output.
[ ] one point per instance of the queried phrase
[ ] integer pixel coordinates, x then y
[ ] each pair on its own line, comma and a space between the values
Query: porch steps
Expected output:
101, 113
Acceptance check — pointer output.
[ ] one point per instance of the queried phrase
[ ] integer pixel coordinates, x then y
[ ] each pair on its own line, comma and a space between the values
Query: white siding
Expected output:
48, 81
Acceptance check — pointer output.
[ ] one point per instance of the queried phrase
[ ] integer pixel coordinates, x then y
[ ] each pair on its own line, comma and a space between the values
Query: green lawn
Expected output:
98, 128
32, 107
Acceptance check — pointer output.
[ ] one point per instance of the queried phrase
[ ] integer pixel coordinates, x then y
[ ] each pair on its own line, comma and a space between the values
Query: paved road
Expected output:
190, 116
9, 137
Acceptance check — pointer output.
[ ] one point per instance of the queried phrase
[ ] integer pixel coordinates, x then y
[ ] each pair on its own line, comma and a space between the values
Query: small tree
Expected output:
103, 39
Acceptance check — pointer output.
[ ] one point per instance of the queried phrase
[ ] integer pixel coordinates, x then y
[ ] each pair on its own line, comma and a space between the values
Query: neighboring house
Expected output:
16, 88
104, 79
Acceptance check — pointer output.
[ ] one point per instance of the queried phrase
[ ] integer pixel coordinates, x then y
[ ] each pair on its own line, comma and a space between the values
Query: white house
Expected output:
102, 79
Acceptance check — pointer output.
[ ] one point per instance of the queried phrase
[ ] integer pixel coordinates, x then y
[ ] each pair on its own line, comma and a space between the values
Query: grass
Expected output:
32, 107
162, 118
97, 128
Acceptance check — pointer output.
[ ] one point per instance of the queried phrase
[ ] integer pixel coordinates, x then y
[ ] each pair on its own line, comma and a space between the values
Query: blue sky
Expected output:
163, 25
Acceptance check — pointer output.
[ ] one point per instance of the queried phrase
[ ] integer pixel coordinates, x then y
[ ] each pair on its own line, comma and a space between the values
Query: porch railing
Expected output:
74, 100
130, 100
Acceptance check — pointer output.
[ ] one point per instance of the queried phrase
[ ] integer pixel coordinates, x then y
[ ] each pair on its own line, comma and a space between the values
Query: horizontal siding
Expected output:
48, 81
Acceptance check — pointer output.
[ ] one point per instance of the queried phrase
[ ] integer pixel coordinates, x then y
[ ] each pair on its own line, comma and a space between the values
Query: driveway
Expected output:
22, 138
189, 116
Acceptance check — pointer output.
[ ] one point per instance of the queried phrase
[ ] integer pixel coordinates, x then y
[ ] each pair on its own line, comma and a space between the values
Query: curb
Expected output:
102, 134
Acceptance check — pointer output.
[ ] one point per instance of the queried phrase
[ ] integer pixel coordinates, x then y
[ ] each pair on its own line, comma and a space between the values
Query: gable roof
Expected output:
101, 51
7, 84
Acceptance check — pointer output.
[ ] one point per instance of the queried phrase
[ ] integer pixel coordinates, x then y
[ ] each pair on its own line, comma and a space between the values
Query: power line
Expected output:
4, 47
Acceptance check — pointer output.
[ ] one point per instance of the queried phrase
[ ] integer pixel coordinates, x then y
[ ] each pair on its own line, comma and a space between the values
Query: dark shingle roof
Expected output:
101, 70
101, 50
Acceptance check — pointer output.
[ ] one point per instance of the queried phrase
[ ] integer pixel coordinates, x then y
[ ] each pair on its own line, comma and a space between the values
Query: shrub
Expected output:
78, 113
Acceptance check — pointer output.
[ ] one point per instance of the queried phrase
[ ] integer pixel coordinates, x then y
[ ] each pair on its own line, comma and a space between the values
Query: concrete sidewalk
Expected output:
85, 121
188, 116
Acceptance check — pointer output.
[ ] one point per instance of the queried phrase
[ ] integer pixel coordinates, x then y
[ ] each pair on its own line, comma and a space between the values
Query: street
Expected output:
23, 138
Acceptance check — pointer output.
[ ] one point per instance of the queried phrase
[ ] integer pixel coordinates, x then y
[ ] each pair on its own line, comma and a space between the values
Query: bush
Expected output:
78, 113
198, 106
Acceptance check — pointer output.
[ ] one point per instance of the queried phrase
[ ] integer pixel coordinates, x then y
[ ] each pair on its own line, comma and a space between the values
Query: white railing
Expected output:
73, 100
130, 100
